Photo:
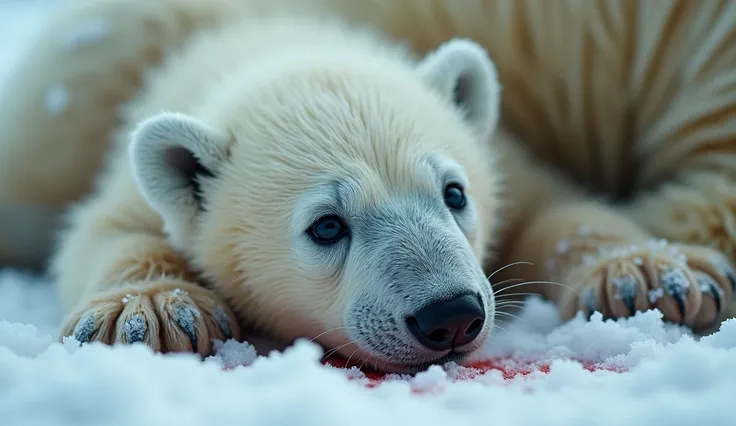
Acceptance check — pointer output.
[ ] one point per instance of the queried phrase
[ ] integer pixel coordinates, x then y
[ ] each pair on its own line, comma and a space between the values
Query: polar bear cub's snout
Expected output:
420, 295
449, 323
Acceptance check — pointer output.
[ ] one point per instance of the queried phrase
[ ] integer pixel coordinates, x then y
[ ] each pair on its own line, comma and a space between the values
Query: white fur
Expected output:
462, 62
295, 119
164, 187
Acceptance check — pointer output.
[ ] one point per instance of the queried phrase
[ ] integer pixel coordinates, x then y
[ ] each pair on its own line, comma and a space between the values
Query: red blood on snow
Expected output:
509, 367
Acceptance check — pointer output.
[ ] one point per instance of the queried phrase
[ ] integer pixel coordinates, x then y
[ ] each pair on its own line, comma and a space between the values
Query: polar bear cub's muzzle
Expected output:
421, 296
412, 290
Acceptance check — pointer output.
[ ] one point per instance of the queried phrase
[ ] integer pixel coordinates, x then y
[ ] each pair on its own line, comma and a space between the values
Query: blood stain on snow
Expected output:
508, 367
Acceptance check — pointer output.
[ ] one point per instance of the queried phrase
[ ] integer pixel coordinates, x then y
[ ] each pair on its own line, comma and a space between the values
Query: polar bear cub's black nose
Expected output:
448, 323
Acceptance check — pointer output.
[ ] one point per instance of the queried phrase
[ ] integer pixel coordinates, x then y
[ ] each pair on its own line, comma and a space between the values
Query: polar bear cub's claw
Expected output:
167, 315
690, 284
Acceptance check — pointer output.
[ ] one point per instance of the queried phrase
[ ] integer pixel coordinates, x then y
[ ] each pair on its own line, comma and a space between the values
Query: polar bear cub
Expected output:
302, 180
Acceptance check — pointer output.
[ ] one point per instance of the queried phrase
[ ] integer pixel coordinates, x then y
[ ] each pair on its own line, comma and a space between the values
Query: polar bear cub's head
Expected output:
347, 197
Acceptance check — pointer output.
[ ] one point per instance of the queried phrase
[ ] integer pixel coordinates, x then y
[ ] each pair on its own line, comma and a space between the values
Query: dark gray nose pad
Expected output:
449, 323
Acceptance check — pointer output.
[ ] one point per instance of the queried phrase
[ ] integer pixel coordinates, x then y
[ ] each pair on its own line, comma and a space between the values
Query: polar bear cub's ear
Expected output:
170, 153
461, 70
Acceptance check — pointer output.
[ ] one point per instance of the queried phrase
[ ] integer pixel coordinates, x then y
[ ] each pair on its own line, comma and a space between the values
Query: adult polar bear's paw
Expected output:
691, 285
167, 315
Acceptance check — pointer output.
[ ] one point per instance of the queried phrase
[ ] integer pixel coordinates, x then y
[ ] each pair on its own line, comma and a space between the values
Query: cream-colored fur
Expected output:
634, 101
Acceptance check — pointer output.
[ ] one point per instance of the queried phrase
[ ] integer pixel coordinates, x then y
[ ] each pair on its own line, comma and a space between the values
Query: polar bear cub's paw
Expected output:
168, 315
691, 285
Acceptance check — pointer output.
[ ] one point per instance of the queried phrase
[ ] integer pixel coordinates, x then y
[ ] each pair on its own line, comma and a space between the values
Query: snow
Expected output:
90, 32
57, 100
671, 377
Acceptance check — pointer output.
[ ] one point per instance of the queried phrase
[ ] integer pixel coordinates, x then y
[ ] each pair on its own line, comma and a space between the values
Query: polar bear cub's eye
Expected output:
455, 196
328, 230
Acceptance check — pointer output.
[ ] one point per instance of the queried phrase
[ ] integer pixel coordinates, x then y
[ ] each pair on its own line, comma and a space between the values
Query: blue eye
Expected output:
328, 230
455, 197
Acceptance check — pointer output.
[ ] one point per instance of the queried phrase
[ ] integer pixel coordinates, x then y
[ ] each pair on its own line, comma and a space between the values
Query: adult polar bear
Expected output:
631, 99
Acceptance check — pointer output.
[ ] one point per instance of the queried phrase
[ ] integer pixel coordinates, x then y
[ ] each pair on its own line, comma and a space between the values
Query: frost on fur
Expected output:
462, 71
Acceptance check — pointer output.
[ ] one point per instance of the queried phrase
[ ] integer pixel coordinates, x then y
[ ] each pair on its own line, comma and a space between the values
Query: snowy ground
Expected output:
672, 379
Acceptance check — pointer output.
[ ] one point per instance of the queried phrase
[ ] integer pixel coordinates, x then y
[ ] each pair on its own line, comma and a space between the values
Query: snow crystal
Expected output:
231, 354
89, 32
186, 316
672, 378
562, 247
135, 328
655, 294
57, 100
674, 282
177, 291
706, 284
626, 286
584, 230
85, 328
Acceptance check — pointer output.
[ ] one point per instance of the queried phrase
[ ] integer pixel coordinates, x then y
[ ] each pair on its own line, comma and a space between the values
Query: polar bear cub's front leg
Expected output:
124, 280
613, 266
127, 286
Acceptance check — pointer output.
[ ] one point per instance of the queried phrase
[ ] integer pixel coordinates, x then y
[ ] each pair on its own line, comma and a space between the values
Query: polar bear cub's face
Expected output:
348, 201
